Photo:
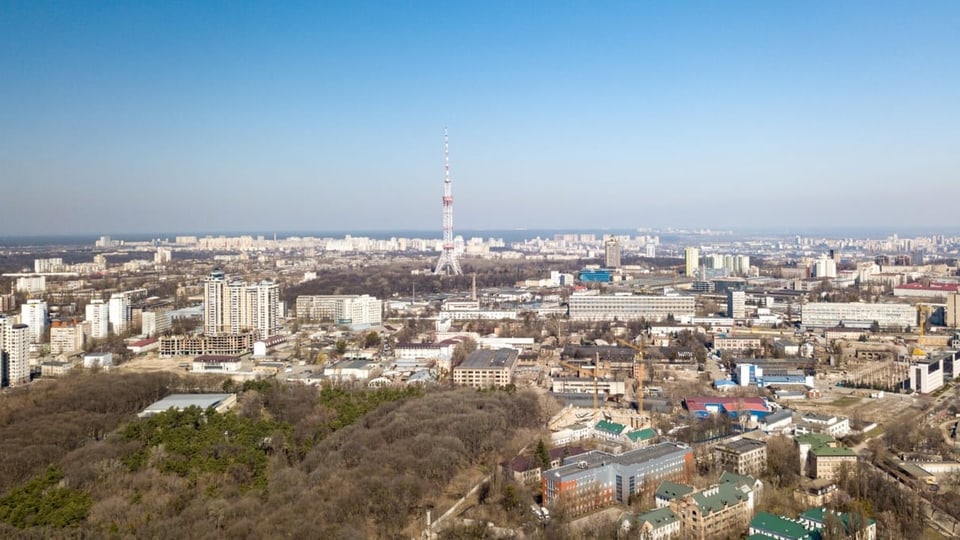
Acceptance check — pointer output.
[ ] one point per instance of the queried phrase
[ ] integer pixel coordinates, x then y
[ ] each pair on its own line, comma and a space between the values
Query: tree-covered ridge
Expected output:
43, 502
194, 442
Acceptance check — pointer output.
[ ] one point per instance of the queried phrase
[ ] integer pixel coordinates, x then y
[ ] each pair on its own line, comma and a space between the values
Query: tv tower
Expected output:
448, 263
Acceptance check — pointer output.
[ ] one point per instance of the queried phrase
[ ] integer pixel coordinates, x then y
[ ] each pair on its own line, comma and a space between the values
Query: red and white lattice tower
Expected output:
448, 263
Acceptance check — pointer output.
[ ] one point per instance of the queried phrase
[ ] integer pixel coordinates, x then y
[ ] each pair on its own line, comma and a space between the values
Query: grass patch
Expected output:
845, 401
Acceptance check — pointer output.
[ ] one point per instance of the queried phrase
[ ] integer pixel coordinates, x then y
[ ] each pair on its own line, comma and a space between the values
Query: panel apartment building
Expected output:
341, 308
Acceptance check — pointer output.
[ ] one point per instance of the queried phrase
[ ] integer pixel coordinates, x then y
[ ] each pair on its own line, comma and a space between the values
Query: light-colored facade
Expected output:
715, 512
926, 375
691, 258
34, 315
15, 341
234, 307
98, 316
154, 323
66, 338
486, 368
612, 252
953, 310
630, 307
32, 284
342, 309
736, 304
736, 344
831, 314
746, 457
119, 313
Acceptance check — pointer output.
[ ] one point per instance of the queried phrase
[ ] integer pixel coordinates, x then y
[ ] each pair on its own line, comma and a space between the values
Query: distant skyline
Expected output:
301, 116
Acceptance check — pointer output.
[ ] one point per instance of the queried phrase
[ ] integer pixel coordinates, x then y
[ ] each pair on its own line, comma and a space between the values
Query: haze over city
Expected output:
297, 116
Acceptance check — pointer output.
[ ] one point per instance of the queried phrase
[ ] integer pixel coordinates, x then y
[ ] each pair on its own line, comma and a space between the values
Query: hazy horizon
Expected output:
298, 116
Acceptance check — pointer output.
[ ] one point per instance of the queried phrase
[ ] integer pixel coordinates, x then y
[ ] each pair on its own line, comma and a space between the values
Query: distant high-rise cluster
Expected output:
15, 351
234, 307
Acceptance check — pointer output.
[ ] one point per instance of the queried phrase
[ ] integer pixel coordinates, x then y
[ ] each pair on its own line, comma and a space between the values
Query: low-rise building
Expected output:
485, 368
55, 369
830, 424
350, 370
822, 457
744, 457
660, 524
526, 469
736, 344
215, 364
219, 402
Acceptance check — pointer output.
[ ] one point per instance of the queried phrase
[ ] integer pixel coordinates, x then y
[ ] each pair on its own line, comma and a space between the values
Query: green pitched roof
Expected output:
819, 515
610, 427
727, 477
671, 490
720, 496
782, 527
641, 434
815, 439
658, 518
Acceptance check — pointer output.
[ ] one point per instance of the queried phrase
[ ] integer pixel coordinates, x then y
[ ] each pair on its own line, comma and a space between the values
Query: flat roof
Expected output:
183, 401
488, 359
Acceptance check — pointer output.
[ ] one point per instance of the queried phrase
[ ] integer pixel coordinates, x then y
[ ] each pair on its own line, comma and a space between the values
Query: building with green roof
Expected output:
659, 524
669, 491
642, 437
782, 528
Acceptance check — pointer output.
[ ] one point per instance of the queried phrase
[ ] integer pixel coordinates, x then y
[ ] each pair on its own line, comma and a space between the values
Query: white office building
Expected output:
824, 268
98, 316
34, 315
926, 375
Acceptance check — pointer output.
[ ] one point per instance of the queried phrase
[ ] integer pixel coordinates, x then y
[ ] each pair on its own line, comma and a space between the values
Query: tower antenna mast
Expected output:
448, 263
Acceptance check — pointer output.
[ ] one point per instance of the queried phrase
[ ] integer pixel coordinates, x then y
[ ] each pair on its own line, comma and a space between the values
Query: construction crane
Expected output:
638, 349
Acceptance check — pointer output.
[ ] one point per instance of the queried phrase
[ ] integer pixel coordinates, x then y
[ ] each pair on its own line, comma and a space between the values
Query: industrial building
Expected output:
219, 402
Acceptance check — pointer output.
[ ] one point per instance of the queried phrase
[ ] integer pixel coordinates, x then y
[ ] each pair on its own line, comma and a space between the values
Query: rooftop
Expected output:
658, 518
783, 527
183, 401
743, 446
488, 359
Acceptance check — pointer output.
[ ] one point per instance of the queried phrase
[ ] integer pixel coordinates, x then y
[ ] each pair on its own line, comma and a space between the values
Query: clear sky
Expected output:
275, 116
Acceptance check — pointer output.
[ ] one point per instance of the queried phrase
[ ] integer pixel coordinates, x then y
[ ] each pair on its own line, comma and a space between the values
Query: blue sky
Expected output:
217, 116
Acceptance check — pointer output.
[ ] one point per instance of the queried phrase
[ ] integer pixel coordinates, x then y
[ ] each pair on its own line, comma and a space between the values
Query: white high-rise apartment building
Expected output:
154, 323
119, 313
262, 303
98, 316
34, 315
233, 307
15, 341
825, 268
691, 256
